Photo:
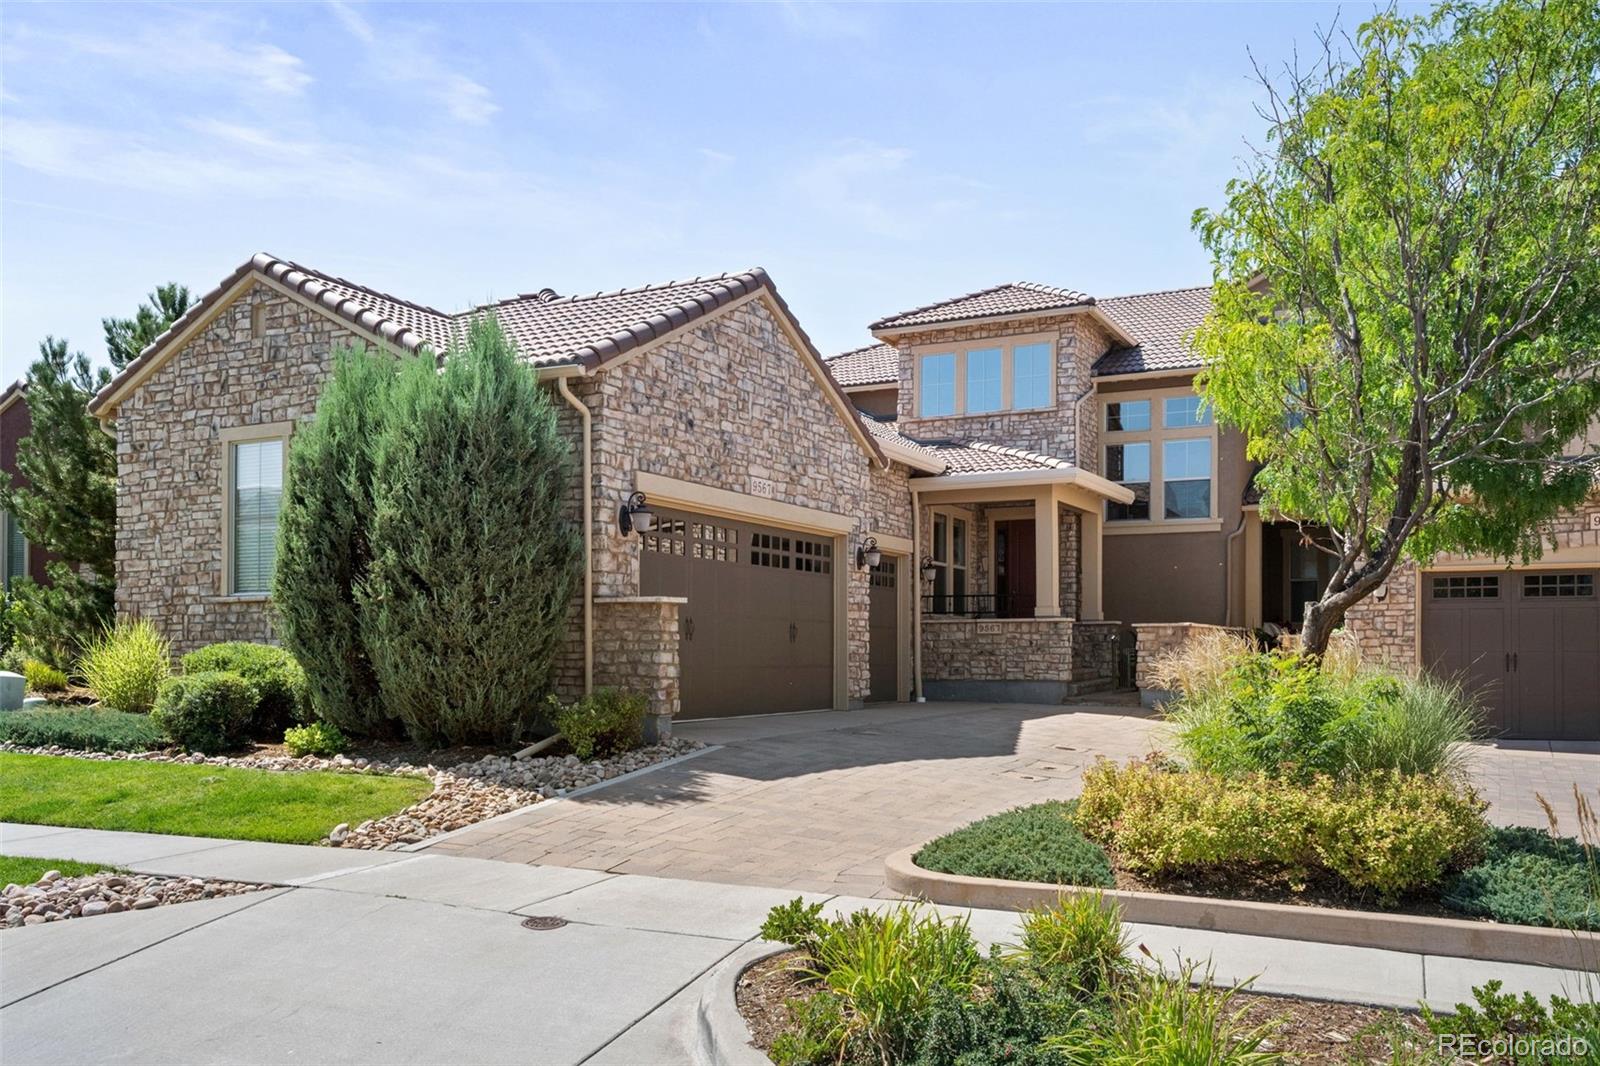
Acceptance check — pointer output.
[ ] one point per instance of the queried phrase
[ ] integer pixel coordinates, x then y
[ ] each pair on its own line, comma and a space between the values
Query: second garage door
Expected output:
757, 632
1526, 642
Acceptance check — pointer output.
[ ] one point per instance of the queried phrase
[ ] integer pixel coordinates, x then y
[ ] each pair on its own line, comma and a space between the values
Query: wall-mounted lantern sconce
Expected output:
868, 554
929, 571
635, 514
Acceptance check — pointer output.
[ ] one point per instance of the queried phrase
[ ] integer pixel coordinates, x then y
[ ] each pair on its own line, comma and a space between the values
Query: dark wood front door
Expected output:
883, 623
1525, 643
757, 632
1015, 572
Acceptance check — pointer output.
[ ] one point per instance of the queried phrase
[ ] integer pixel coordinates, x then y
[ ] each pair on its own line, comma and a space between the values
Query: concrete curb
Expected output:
720, 1034
1490, 941
554, 801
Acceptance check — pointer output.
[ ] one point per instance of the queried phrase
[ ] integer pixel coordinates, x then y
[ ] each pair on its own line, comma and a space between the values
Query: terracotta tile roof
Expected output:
1162, 322
964, 456
1015, 297
876, 364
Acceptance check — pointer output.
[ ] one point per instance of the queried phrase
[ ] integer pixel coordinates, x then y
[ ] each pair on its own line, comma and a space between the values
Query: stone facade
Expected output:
1095, 647
980, 560
1065, 431
171, 460
1018, 659
636, 648
1153, 639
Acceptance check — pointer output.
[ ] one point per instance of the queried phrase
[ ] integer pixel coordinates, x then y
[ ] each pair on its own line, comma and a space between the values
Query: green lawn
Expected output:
15, 871
207, 801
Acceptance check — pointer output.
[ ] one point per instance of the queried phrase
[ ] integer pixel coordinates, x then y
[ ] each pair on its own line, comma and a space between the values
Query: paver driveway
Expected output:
817, 801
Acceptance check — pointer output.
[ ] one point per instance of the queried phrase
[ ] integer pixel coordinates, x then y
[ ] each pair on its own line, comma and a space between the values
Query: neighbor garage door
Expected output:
757, 632
1526, 642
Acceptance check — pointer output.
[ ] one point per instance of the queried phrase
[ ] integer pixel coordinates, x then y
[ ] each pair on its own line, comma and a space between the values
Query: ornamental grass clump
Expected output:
125, 665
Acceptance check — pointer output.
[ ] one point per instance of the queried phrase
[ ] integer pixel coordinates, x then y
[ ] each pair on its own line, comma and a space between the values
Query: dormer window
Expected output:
988, 377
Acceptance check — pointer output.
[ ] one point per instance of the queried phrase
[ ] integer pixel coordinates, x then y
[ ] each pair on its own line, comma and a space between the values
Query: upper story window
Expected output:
1163, 446
1017, 374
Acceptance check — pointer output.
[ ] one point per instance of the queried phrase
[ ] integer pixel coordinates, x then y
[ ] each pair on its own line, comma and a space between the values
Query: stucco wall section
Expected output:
726, 403
636, 648
1012, 649
170, 461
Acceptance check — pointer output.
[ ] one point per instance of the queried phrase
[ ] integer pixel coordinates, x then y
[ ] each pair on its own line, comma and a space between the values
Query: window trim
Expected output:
1008, 346
228, 439
1157, 436
6, 576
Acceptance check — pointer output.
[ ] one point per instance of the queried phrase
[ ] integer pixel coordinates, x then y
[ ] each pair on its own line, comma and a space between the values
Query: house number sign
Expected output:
1594, 520
760, 486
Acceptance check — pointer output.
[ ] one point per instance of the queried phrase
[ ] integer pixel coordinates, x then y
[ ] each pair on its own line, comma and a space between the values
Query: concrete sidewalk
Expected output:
402, 957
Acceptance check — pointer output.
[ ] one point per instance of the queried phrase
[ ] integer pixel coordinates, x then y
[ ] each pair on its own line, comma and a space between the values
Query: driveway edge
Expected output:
720, 1034
1490, 941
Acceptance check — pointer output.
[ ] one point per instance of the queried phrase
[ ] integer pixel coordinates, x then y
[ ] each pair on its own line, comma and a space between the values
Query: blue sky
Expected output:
871, 158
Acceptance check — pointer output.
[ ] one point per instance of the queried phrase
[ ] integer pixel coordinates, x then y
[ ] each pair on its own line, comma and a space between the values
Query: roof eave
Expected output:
885, 332
1067, 475
911, 457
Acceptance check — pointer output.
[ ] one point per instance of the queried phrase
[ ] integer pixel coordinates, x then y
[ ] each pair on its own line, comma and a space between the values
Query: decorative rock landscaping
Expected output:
55, 898
462, 794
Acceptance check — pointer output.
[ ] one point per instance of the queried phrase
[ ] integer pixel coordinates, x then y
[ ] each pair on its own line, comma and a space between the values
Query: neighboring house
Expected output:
1040, 485
18, 558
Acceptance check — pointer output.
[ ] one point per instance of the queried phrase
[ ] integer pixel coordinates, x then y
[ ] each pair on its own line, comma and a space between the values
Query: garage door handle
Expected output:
794, 632
1513, 661
688, 628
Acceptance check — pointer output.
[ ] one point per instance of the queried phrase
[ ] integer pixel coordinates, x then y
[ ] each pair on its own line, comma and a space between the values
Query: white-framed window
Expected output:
949, 554
1163, 446
14, 563
936, 393
253, 467
984, 377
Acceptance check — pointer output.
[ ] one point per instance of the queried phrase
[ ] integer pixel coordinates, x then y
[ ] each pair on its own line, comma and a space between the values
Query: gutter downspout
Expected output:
916, 598
1227, 571
585, 417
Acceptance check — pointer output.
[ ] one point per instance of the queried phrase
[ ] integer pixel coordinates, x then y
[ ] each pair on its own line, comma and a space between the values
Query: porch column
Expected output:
1252, 570
1090, 608
1047, 555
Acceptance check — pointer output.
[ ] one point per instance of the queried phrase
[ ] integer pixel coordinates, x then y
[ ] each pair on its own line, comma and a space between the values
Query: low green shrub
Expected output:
125, 665
1009, 1020
1530, 878
81, 729
608, 721
1496, 1015
42, 677
1383, 832
1281, 715
281, 697
1079, 941
1037, 843
318, 738
795, 922
207, 712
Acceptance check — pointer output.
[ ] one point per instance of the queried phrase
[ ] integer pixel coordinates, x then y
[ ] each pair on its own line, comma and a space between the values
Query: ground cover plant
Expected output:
125, 666
318, 738
209, 801
1037, 843
608, 721
81, 729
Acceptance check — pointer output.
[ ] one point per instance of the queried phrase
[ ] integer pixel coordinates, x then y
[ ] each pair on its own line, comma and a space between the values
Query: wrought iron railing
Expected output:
977, 604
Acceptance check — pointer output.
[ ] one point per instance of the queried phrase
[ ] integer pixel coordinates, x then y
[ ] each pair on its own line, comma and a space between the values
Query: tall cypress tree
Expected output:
323, 546
474, 558
69, 507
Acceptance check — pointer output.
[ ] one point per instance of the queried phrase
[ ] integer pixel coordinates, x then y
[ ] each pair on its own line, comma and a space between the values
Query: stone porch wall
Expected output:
636, 648
1094, 651
1153, 639
997, 649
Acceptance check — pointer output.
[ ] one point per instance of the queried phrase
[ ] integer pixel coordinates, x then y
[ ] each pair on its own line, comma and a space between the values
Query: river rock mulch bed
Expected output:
463, 793
1307, 1031
54, 898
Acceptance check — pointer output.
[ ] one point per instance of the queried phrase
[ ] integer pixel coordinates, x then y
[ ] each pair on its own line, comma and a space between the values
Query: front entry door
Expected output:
1015, 572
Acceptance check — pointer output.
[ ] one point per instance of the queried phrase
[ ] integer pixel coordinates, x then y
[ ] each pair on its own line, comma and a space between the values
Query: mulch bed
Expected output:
1310, 1031
1275, 886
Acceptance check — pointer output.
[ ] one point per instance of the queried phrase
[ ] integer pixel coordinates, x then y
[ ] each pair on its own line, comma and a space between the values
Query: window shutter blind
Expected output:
257, 491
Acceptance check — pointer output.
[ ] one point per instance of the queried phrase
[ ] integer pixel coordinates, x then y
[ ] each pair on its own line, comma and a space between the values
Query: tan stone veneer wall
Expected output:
170, 462
1385, 627
1065, 431
1004, 649
1153, 639
636, 648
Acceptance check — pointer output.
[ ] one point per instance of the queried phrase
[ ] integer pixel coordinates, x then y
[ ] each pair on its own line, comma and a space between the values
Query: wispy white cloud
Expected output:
407, 54
827, 21
566, 89
1203, 121
872, 187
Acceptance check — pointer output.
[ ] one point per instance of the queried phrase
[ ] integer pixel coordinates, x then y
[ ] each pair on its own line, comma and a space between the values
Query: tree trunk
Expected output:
1322, 618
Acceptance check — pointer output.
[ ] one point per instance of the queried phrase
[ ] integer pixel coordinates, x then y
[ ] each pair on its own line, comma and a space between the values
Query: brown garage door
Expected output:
883, 619
1527, 642
757, 632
